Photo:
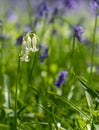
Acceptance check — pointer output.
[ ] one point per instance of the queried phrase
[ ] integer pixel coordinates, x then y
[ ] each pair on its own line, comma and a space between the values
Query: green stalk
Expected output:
16, 88
30, 75
43, 28
29, 78
1, 53
93, 49
29, 9
72, 53
64, 91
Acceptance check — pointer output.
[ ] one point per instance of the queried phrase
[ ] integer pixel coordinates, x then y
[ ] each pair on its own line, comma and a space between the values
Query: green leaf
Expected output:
21, 110
3, 126
2, 114
86, 88
75, 107
57, 117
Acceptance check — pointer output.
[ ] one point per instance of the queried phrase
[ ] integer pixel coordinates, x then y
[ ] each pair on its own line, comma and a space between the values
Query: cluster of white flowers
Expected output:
28, 45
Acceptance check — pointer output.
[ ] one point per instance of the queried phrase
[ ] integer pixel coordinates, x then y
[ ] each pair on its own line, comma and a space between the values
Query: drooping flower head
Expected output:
28, 28
71, 4
43, 53
78, 31
19, 40
43, 10
28, 45
12, 17
95, 4
61, 79
54, 13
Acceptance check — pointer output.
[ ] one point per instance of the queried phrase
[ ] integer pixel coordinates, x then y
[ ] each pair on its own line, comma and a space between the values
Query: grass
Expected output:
29, 99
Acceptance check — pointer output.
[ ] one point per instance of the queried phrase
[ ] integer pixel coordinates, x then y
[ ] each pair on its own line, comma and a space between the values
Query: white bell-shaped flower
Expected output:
34, 42
28, 45
25, 52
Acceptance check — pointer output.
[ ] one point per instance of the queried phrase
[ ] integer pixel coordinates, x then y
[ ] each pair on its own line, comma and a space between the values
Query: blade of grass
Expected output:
34, 89
21, 110
3, 126
86, 88
41, 123
16, 89
75, 107
53, 114
93, 48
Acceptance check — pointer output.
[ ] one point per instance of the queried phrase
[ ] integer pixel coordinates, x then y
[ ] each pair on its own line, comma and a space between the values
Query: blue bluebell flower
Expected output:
28, 28
43, 53
53, 31
95, 4
12, 17
43, 10
61, 79
19, 40
54, 13
70, 4
78, 31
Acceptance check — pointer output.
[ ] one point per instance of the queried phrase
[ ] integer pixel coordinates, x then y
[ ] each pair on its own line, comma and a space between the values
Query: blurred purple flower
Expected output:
78, 30
71, 4
87, 42
54, 13
61, 79
53, 31
43, 53
95, 4
43, 9
12, 17
19, 40
27, 28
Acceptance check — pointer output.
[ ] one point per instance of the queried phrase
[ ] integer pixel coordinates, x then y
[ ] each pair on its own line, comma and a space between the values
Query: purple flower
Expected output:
43, 53
27, 28
53, 31
95, 4
70, 4
78, 30
54, 13
12, 17
43, 10
61, 79
19, 40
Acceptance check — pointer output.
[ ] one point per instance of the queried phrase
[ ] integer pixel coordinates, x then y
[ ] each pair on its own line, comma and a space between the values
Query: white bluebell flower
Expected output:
28, 45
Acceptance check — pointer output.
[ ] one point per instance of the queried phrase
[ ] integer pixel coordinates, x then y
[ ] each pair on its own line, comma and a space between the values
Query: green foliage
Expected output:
29, 99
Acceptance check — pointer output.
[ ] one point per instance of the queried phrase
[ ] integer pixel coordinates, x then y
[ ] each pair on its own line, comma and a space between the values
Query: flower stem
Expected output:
30, 75
27, 93
18, 70
43, 28
72, 53
93, 49
1, 53
29, 8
